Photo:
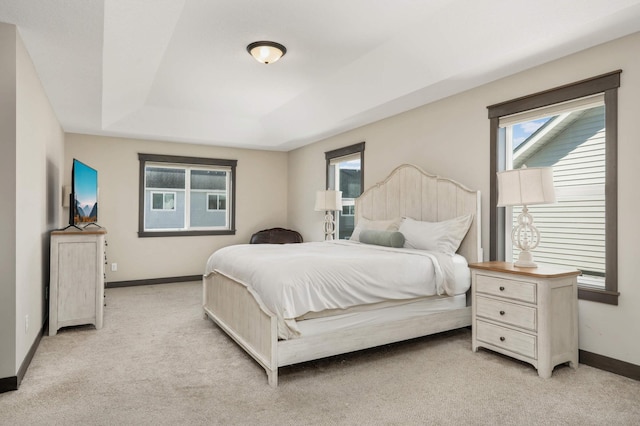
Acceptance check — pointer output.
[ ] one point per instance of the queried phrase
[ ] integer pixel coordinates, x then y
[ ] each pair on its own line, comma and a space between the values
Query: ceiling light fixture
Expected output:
266, 52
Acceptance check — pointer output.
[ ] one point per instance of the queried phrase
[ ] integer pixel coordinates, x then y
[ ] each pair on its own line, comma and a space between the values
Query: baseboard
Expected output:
12, 383
611, 365
114, 284
32, 351
8, 384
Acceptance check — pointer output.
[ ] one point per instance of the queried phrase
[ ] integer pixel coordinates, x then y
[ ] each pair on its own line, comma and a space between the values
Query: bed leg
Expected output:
272, 376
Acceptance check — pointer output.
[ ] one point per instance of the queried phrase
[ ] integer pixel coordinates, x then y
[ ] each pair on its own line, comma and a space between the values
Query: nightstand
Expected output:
76, 286
530, 314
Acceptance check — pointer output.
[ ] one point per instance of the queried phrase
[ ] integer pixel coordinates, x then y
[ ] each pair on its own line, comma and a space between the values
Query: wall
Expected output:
39, 156
261, 192
7, 207
31, 147
451, 138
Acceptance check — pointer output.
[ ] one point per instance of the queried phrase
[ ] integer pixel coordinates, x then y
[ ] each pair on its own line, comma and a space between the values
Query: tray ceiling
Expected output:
178, 70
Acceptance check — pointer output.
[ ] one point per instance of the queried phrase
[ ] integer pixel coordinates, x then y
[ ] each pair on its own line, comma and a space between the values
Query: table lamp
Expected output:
329, 201
525, 187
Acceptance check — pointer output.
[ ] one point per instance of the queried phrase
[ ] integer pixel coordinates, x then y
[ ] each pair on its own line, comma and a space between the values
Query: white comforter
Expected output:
294, 279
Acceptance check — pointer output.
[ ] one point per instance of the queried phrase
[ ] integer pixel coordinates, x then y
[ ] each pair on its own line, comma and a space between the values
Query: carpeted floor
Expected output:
158, 362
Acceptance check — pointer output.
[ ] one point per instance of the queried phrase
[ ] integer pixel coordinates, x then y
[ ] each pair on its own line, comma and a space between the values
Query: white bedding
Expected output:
294, 279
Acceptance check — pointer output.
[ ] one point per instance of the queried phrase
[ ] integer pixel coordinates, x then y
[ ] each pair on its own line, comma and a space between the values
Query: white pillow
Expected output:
444, 236
376, 225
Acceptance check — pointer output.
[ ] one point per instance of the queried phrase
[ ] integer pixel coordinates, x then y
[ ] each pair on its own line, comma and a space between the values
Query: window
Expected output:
186, 196
345, 172
573, 129
216, 201
348, 210
163, 201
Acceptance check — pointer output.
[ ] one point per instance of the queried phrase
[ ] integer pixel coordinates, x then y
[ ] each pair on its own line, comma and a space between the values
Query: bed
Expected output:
276, 333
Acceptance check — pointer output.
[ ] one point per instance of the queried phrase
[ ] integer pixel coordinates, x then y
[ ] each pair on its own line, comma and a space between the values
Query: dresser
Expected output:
76, 286
530, 314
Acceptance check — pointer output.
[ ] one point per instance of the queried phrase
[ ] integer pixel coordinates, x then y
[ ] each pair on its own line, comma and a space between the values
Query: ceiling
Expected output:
178, 70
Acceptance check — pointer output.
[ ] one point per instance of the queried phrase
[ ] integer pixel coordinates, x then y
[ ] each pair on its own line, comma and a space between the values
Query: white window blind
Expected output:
555, 109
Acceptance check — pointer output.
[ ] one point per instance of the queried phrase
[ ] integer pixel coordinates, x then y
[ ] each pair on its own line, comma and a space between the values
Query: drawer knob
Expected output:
502, 338
501, 312
501, 288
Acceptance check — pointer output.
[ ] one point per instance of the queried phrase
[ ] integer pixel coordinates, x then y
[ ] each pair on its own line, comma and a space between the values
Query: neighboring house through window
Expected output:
345, 172
186, 196
572, 129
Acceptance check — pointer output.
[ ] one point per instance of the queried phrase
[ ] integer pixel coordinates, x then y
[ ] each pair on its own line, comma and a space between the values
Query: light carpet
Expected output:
156, 361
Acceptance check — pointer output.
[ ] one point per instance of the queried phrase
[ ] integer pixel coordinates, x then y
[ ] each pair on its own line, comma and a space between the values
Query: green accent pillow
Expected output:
382, 238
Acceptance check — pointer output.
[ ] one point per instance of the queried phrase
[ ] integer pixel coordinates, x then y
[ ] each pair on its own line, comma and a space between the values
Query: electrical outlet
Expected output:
114, 267
26, 323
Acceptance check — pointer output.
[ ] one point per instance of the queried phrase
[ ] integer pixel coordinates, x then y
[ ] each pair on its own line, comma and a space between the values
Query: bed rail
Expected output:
238, 312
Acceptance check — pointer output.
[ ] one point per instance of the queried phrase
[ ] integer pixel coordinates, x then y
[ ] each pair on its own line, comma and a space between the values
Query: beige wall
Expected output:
31, 148
451, 138
39, 156
7, 208
261, 202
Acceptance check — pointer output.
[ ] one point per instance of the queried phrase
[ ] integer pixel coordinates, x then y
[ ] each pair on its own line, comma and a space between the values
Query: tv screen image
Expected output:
84, 194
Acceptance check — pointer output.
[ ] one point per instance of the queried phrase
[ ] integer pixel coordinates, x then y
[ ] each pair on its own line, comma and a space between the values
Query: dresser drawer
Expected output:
511, 340
506, 312
517, 290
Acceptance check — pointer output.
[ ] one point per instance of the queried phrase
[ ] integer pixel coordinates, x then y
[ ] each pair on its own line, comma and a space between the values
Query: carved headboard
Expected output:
409, 191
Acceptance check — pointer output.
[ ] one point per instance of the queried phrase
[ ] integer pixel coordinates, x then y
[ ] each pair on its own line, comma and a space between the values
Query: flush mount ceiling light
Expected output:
266, 52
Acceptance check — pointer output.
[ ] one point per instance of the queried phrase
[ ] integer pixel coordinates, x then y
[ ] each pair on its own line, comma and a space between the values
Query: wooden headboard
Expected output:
409, 191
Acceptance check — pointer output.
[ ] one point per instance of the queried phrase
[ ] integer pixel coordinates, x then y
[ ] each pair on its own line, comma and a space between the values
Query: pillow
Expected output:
378, 225
444, 236
382, 238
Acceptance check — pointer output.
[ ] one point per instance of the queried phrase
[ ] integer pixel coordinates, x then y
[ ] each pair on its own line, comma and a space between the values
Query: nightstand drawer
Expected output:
505, 312
517, 290
511, 340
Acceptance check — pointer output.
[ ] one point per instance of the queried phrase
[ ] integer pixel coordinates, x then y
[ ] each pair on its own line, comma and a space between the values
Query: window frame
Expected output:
607, 84
357, 148
186, 161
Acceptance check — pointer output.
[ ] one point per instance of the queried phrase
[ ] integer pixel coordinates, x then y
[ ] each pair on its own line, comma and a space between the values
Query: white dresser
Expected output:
76, 286
530, 314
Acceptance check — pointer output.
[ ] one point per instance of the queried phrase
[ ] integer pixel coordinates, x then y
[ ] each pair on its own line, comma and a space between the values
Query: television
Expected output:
83, 201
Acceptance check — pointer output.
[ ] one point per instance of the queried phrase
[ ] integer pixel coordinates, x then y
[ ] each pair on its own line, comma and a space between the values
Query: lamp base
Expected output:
329, 227
526, 237
525, 260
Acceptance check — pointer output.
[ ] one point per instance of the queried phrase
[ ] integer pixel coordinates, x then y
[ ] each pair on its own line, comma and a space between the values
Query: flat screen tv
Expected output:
84, 195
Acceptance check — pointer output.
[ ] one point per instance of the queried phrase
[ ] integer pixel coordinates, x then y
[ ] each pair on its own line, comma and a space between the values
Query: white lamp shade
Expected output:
526, 186
266, 52
328, 200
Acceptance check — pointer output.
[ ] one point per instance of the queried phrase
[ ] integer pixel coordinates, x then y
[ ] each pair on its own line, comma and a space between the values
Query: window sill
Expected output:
598, 295
146, 234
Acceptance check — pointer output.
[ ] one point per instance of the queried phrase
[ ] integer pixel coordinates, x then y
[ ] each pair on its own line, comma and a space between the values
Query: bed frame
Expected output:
407, 191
